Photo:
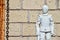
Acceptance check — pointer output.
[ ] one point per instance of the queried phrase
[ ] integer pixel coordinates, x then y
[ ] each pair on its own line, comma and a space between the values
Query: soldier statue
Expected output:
45, 25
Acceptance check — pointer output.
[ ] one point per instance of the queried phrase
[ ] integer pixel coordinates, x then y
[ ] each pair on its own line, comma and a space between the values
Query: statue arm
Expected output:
52, 25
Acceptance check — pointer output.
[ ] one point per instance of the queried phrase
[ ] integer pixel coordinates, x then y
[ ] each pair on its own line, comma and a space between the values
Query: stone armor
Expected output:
45, 25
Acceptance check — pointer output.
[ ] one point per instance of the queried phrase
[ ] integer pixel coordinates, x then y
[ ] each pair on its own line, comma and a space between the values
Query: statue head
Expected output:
45, 9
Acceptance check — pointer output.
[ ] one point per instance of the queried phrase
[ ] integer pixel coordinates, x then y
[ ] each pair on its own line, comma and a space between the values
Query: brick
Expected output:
19, 38
15, 29
57, 29
59, 3
55, 15
34, 15
25, 38
28, 28
15, 4
33, 4
55, 38
15, 38
51, 4
33, 38
29, 38
18, 16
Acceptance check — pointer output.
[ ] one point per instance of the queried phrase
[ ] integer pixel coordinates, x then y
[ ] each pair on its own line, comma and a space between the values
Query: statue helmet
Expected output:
45, 9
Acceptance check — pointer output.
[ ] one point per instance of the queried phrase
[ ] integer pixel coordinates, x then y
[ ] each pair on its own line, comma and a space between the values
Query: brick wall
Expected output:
24, 11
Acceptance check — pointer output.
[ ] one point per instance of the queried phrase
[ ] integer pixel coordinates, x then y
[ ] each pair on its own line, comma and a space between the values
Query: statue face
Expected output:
45, 9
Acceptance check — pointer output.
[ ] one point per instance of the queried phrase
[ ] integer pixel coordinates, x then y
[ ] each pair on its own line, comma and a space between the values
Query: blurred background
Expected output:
22, 15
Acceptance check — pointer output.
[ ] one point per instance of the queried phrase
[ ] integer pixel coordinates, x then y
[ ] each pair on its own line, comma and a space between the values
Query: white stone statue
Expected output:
45, 25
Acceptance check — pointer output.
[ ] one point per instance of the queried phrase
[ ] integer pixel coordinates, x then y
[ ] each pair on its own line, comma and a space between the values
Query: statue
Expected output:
45, 25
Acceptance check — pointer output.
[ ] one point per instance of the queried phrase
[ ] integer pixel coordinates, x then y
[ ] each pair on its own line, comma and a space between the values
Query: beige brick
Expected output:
33, 38
55, 15
33, 4
15, 4
19, 38
25, 38
28, 29
59, 3
34, 15
18, 16
15, 38
51, 4
55, 38
29, 38
15, 29
57, 29
58, 38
